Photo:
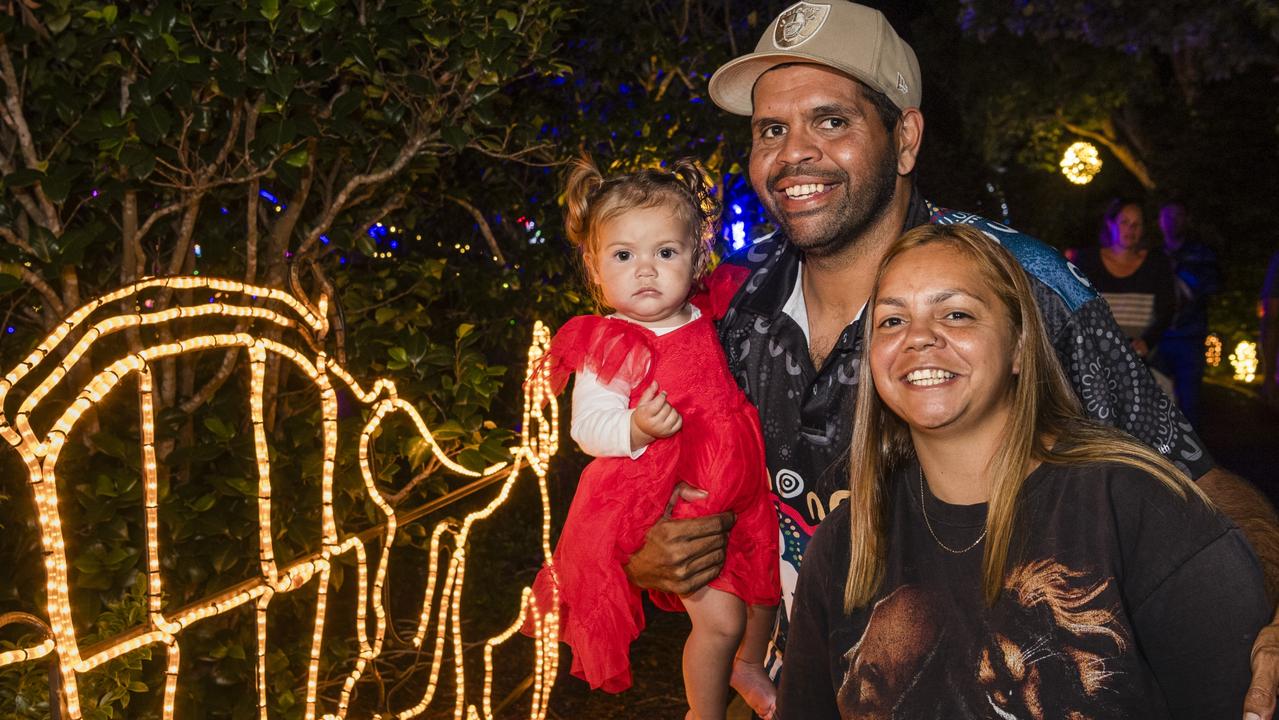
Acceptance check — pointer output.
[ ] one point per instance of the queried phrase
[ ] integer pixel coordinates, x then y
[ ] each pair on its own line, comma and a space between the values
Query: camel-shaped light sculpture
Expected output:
273, 314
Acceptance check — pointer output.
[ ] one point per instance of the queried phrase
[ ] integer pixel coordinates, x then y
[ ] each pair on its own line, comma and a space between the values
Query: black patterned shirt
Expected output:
807, 412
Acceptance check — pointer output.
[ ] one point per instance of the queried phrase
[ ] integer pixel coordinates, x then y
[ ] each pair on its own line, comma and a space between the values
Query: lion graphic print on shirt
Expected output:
1120, 600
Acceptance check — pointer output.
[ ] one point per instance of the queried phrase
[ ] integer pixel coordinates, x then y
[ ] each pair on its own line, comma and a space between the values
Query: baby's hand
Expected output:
653, 418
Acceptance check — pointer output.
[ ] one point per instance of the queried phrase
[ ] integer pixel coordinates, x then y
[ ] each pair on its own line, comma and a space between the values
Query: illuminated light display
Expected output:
1244, 361
163, 626
1212, 350
1080, 163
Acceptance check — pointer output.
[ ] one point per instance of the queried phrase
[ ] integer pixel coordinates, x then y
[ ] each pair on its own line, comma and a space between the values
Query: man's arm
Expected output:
1098, 368
1242, 503
681, 556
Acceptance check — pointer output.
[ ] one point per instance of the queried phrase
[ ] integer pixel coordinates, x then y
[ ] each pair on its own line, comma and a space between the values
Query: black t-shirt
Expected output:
806, 412
1120, 600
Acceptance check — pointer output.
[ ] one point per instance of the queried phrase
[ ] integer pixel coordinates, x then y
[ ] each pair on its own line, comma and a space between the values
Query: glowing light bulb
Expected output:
1244, 361
1212, 350
1080, 163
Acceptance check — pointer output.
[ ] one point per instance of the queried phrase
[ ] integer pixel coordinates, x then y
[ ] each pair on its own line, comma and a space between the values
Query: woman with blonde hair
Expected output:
1000, 555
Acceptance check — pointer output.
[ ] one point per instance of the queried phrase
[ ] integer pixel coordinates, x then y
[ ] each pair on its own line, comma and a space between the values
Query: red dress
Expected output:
719, 449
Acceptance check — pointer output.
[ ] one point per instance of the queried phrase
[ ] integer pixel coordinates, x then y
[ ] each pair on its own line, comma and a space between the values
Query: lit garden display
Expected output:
275, 311
1080, 163
1244, 361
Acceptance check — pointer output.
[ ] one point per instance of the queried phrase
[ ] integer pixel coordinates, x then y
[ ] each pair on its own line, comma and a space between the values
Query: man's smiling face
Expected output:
821, 160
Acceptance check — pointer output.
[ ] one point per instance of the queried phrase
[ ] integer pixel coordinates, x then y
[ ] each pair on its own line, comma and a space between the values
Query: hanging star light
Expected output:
40, 453
1080, 163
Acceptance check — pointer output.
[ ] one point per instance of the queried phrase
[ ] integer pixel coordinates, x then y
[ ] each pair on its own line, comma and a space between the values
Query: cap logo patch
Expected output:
798, 23
902, 87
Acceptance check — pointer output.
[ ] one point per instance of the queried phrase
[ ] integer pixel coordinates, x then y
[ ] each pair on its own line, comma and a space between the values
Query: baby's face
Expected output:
644, 266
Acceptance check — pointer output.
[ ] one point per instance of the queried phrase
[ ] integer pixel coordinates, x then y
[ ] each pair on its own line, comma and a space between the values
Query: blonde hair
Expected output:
591, 200
1044, 410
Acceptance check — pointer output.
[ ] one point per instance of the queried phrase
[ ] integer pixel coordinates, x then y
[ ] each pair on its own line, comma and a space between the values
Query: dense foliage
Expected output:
401, 157
287, 144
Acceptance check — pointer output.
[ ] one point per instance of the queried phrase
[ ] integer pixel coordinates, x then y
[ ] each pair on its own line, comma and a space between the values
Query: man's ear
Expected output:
910, 135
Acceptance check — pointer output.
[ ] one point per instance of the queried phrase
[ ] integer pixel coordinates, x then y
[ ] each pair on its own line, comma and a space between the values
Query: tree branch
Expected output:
151, 220
48, 216
236, 114
50, 296
406, 154
278, 245
13, 105
13, 239
485, 230
395, 202
1121, 152
224, 372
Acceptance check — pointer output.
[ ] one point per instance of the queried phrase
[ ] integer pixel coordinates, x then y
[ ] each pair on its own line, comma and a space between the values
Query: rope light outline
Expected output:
538, 442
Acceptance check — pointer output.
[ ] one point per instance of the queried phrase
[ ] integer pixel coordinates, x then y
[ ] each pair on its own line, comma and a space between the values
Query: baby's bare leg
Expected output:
719, 621
749, 678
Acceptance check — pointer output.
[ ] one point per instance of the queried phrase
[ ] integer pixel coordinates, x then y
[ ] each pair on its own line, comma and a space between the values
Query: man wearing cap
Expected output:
833, 95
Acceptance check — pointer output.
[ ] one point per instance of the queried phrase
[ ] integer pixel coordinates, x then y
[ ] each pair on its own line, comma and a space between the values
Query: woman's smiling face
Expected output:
943, 351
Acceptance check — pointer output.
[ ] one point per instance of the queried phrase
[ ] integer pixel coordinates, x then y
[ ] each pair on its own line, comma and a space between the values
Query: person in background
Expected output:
1000, 555
1270, 334
1137, 283
1197, 277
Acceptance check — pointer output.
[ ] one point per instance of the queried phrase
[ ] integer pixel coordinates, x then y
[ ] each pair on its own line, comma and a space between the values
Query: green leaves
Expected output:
220, 429
269, 9
455, 137
153, 123
507, 17
9, 283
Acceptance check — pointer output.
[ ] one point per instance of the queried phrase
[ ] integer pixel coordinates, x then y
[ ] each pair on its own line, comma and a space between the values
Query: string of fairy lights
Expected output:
163, 627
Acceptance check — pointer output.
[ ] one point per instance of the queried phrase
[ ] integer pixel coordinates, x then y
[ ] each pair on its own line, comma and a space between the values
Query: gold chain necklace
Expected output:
923, 507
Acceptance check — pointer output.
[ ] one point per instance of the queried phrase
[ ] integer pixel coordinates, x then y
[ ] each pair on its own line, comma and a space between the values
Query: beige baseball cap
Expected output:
850, 38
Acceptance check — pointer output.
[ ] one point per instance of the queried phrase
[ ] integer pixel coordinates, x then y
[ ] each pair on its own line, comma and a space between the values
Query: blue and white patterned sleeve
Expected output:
1115, 388
1113, 384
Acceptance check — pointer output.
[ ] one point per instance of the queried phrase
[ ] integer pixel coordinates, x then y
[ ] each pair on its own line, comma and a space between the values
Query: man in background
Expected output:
1181, 351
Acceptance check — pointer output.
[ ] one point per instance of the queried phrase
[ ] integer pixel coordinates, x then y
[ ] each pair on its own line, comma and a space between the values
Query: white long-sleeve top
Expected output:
601, 423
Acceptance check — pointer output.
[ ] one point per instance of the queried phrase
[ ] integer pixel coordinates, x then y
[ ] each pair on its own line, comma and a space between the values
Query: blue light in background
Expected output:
269, 196
744, 215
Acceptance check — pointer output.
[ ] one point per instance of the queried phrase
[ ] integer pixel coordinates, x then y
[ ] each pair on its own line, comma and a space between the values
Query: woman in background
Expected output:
1137, 283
